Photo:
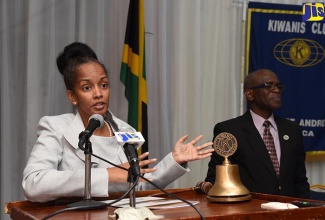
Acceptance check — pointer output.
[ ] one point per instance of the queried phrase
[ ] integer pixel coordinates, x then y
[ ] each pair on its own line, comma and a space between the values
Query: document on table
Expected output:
152, 203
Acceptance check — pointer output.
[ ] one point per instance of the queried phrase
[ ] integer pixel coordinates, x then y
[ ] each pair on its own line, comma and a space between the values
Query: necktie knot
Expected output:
266, 123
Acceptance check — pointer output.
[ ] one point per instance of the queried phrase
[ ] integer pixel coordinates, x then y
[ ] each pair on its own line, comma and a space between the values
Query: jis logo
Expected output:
129, 137
312, 11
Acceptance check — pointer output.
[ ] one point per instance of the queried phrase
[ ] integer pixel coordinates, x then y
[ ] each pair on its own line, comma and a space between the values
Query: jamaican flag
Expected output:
133, 71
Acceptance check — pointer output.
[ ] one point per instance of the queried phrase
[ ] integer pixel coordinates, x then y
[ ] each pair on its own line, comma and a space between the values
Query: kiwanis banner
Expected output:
279, 39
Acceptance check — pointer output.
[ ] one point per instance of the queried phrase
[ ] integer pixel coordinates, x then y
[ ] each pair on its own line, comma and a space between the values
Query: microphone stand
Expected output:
132, 211
87, 203
131, 179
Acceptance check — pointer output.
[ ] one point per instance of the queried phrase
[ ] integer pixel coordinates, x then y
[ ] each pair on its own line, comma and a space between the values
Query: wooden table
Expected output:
248, 210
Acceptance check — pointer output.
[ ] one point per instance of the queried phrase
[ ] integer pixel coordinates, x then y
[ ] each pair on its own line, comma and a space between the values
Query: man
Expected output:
285, 173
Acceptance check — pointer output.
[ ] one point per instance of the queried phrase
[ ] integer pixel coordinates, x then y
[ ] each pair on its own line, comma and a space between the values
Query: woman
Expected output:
56, 165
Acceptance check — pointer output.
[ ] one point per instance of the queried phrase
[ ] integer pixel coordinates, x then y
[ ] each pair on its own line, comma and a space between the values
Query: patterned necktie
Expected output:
269, 143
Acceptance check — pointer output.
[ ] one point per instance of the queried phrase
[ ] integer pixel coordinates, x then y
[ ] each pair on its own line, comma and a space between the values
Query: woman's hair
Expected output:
68, 61
74, 55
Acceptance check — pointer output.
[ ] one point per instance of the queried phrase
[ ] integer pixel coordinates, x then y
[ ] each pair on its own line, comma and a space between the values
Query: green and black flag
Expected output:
133, 71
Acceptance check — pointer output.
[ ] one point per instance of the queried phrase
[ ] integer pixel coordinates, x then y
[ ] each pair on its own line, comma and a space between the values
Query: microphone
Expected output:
131, 142
95, 121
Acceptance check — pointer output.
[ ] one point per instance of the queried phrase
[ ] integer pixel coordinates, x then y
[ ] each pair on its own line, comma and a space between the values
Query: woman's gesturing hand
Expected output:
183, 153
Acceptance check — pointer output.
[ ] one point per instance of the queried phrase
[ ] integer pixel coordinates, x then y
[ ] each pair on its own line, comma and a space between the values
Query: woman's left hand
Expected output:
183, 153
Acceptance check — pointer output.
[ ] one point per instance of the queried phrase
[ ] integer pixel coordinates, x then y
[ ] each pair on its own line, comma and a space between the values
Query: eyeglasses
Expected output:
270, 86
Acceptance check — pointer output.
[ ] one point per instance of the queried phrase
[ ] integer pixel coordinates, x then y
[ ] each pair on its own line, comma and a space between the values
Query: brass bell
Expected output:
228, 186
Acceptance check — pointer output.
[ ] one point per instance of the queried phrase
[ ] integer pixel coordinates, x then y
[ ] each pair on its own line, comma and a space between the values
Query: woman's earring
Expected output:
74, 103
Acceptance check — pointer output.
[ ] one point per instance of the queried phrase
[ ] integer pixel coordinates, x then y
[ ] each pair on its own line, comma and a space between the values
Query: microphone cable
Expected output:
155, 185
176, 197
126, 193
108, 204
83, 207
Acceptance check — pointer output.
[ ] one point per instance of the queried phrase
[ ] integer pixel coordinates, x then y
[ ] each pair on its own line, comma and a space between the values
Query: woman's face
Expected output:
91, 92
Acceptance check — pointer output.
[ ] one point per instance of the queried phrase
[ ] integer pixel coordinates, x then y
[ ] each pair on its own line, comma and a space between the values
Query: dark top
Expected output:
255, 167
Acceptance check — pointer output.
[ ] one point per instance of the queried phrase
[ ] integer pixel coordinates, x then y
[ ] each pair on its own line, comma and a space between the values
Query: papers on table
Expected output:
152, 203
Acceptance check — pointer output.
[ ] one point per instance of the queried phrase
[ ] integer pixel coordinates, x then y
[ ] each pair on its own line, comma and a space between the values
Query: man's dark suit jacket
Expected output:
255, 166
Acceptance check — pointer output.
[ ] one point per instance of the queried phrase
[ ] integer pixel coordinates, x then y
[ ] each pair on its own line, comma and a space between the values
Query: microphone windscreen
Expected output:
99, 118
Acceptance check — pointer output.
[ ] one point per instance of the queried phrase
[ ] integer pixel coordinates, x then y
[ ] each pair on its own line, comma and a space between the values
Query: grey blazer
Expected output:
56, 165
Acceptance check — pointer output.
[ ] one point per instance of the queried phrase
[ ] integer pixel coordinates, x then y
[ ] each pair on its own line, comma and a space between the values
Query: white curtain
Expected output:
194, 73
194, 52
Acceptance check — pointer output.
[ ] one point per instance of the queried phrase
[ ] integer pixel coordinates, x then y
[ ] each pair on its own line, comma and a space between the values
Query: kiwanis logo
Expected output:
299, 52
312, 11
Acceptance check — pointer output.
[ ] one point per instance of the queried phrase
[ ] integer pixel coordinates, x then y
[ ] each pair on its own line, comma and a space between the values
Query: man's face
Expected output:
267, 95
